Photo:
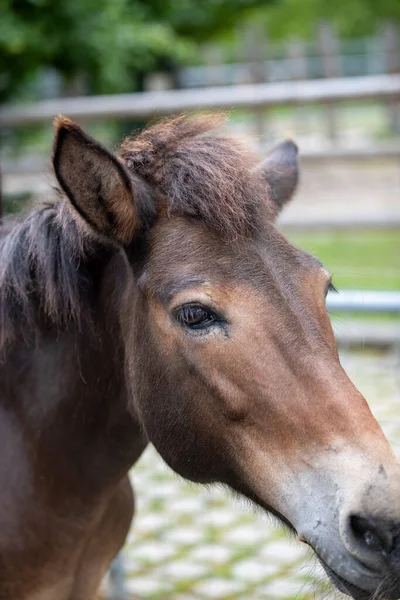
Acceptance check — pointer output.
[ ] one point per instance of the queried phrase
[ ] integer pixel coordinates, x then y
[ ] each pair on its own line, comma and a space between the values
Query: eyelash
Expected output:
197, 317
332, 288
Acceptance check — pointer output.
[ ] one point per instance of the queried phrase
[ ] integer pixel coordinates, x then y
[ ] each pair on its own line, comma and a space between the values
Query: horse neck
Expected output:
68, 395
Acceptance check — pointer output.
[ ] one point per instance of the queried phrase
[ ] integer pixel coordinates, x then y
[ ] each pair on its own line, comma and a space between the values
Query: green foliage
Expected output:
108, 43
111, 44
299, 18
358, 259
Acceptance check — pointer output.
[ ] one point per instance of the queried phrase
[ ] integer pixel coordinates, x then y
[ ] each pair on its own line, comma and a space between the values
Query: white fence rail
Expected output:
364, 301
251, 96
360, 332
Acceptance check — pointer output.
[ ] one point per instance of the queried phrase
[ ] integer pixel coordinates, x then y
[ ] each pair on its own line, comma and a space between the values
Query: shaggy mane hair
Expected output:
43, 258
201, 176
40, 271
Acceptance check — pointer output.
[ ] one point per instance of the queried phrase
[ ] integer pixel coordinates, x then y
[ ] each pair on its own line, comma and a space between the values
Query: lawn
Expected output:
358, 259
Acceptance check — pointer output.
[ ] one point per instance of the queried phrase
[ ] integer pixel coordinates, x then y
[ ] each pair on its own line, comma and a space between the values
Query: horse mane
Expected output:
40, 259
201, 176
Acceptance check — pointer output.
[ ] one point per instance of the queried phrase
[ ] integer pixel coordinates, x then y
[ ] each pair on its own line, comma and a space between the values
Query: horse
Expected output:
155, 301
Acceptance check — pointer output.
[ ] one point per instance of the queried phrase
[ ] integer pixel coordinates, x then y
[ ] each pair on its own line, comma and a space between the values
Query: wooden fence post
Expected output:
298, 72
213, 58
256, 52
298, 60
328, 44
391, 45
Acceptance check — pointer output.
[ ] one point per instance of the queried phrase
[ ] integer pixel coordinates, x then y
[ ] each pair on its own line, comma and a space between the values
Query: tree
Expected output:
298, 18
109, 43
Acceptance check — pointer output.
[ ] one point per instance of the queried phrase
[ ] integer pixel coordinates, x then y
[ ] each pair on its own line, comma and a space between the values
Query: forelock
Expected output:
201, 176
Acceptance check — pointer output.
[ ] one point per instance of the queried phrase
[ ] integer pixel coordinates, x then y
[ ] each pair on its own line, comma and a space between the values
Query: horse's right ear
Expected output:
111, 200
281, 172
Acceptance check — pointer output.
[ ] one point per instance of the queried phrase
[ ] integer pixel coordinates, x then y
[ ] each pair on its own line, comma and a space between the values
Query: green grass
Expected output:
358, 259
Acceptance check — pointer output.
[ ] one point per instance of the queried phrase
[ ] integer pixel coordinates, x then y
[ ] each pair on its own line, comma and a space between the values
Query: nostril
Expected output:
396, 546
376, 536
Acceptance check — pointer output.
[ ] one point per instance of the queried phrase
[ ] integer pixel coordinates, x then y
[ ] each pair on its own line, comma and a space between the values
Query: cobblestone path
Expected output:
191, 543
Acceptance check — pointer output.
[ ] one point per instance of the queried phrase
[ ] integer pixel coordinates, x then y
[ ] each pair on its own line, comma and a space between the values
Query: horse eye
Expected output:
196, 316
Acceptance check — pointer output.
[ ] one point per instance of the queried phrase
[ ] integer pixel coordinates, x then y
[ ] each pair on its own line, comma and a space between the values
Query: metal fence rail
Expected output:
251, 96
371, 333
364, 301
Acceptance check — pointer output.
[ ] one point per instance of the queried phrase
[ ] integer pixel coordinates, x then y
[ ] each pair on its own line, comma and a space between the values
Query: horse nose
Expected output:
373, 541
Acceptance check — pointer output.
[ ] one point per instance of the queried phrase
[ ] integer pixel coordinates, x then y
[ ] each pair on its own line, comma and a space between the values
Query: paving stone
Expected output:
190, 505
253, 570
284, 588
283, 552
217, 588
164, 490
212, 553
246, 534
149, 523
184, 536
153, 551
145, 587
183, 569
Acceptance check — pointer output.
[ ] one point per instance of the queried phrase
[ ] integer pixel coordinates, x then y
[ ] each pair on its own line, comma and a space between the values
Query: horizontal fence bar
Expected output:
289, 223
263, 95
33, 165
364, 301
371, 152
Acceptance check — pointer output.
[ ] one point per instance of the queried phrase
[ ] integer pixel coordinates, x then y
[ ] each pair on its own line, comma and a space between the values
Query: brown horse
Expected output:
157, 302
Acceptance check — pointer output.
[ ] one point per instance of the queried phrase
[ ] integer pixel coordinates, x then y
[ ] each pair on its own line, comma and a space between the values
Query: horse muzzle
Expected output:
357, 541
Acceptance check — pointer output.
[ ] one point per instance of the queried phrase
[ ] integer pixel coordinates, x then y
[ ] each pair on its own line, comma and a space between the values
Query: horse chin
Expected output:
349, 589
344, 586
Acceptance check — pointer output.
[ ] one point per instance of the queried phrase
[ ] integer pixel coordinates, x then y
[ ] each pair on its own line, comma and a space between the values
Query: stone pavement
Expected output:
192, 543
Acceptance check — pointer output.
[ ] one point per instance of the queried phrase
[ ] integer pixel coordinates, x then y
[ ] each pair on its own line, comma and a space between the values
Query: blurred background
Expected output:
325, 73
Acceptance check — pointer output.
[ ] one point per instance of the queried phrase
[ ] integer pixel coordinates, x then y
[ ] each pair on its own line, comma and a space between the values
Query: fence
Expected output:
382, 88
370, 302
145, 105
252, 57
257, 98
373, 333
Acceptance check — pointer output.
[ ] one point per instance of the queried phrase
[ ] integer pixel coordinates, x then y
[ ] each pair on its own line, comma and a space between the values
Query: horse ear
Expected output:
281, 172
111, 200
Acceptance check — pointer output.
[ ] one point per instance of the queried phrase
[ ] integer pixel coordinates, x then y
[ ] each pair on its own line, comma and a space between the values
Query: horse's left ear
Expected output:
111, 200
281, 171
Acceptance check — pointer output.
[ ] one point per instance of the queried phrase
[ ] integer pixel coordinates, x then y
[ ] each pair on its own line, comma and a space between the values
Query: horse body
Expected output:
157, 302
